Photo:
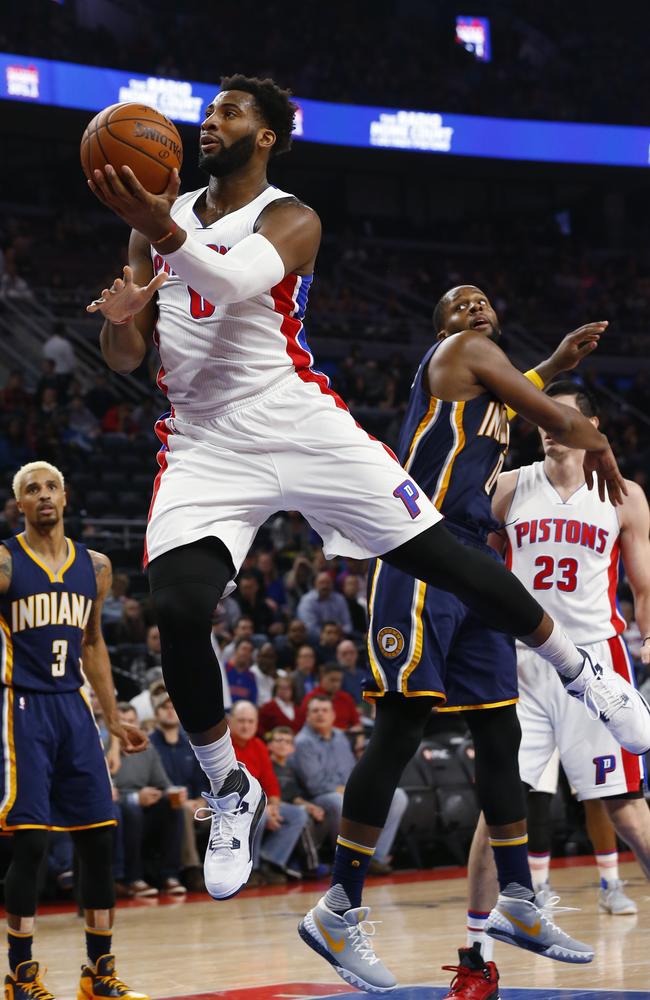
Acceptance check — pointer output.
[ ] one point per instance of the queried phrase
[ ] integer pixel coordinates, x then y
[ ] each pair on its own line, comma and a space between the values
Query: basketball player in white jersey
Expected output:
564, 543
218, 279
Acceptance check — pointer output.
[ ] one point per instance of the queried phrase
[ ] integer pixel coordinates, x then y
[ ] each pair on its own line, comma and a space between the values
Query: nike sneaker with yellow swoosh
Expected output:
344, 942
522, 923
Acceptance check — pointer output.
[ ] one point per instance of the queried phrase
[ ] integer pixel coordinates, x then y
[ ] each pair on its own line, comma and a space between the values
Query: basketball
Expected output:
135, 136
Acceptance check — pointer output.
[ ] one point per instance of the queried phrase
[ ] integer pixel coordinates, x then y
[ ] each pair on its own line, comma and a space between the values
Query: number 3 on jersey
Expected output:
565, 578
60, 654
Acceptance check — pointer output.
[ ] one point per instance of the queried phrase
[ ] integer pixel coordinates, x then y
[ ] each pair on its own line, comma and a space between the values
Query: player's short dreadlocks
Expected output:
273, 104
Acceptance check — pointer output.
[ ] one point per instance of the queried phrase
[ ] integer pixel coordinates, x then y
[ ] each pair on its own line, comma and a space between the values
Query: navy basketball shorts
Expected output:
425, 642
53, 774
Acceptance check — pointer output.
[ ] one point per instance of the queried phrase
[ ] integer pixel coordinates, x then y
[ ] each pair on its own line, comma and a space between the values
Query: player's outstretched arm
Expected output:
501, 501
97, 665
482, 363
571, 350
634, 519
130, 309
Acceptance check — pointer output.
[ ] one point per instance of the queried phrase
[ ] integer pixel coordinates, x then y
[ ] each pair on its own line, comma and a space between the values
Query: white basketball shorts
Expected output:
595, 764
294, 446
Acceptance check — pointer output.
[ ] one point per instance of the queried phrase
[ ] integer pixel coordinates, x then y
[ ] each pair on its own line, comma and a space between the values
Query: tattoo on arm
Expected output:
5, 568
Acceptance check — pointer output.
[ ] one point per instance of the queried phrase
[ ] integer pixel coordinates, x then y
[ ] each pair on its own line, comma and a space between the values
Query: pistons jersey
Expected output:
215, 355
566, 553
455, 451
42, 619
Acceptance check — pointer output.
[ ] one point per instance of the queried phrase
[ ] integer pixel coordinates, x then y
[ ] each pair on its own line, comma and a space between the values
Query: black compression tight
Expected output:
496, 735
21, 881
95, 852
396, 735
186, 586
539, 821
484, 584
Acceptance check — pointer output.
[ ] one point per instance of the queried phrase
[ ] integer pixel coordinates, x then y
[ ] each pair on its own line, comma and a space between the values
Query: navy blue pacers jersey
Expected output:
455, 451
43, 617
425, 641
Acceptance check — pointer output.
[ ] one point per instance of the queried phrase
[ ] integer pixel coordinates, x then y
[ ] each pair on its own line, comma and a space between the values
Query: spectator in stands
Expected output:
281, 710
48, 380
347, 657
241, 681
114, 603
184, 771
357, 605
322, 762
253, 604
281, 747
244, 629
330, 636
81, 421
305, 677
299, 580
143, 702
324, 604
100, 397
14, 397
150, 659
272, 584
15, 450
132, 627
119, 420
346, 715
11, 522
289, 644
284, 822
57, 348
49, 405
150, 825
265, 671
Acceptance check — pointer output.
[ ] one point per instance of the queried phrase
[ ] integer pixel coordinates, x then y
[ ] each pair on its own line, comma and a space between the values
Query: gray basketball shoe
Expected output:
613, 700
345, 943
522, 923
612, 899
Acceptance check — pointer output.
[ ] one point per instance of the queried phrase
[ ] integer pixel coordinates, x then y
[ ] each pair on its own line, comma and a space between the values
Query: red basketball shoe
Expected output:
474, 979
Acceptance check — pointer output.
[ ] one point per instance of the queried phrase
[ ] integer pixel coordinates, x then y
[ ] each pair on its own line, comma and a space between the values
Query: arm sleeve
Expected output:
533, 377
251, 267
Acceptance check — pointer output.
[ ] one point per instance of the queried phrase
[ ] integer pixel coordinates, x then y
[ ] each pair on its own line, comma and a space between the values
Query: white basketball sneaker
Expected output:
521, 923
235, 818
614, 701
344, 942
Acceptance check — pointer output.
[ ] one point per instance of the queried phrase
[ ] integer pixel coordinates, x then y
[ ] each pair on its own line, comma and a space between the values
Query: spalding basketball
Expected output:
135, 136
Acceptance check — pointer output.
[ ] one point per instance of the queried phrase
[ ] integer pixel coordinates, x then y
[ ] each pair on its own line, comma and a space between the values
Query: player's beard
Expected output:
229, 158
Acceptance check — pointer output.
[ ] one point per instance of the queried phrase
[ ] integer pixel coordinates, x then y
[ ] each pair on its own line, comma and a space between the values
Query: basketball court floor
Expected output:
248, 949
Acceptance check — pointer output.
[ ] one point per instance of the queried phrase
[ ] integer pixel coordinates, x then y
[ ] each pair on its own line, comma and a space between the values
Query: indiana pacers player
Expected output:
53, 775
428, 649
218, 278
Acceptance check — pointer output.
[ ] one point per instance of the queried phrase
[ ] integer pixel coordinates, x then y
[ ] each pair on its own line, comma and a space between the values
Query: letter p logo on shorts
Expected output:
604, 766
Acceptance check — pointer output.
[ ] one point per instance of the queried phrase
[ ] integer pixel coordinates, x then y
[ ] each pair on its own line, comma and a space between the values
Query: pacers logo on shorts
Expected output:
391, 641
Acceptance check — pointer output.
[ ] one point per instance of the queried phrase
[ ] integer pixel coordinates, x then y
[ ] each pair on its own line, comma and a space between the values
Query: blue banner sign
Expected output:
91, 88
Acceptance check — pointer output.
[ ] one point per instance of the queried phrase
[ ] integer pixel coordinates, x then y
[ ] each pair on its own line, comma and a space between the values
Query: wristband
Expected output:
647, 639
123, 322
537, 381
167, 236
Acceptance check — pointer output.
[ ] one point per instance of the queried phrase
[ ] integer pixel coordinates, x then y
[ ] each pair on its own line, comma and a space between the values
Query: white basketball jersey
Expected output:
566, 554
213, 355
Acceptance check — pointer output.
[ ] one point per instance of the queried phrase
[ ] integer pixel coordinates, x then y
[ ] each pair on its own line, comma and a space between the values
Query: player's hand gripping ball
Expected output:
135, 136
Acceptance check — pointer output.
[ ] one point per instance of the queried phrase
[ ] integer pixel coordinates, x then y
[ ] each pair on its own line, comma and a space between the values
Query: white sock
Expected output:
559, 650
539, 865
476, 921
217, 760
607, 868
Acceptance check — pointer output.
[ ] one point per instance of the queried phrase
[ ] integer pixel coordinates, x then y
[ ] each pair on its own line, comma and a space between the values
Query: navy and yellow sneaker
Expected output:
101, 983
25, 983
